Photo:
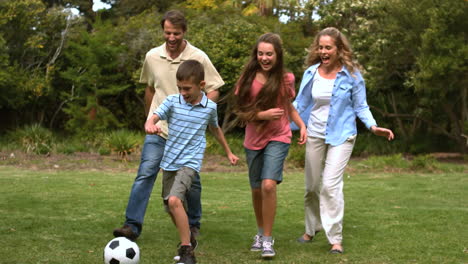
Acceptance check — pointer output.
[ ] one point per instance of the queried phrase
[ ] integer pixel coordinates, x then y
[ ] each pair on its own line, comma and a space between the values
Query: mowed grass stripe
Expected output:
68, 217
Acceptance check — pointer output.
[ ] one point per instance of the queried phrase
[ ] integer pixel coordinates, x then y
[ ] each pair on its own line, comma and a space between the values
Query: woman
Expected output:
332, 94
263, 98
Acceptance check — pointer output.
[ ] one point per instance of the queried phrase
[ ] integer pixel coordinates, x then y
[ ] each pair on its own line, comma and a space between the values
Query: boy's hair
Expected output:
191, 70
176, 18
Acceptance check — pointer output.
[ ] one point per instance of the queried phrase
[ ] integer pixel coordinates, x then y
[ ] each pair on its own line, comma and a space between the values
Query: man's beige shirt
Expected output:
159, 70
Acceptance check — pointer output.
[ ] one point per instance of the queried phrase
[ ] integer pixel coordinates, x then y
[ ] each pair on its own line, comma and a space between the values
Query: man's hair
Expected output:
191, 70
176, 18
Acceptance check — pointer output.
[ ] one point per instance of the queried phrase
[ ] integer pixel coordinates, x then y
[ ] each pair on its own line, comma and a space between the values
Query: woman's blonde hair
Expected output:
345, 53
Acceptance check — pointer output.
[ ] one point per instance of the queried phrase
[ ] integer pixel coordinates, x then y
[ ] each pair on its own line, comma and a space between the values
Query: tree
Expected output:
251, 7
31, 38
440, 76
228, 53
129, 8
85, 7
96, 77
408, 49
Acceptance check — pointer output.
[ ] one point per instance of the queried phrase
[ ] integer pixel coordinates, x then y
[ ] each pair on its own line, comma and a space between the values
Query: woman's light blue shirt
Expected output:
348, 102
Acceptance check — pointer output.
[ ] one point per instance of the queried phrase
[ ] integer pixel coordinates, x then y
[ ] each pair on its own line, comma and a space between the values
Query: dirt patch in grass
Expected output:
211, 163
97, 162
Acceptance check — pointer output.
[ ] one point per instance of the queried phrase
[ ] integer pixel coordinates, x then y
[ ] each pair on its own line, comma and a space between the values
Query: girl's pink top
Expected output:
274, 130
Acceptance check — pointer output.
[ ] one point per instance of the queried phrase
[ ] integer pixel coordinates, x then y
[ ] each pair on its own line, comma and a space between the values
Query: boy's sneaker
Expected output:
187, 256
257, 244
194, 243
268, 251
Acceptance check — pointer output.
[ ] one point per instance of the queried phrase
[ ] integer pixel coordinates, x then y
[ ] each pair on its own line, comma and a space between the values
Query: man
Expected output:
159, 73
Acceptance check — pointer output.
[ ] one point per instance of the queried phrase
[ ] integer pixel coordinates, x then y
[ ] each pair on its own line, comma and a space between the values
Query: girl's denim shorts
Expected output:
266, 163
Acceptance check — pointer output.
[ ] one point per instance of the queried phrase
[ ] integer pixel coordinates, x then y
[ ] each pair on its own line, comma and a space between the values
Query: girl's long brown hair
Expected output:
273, 92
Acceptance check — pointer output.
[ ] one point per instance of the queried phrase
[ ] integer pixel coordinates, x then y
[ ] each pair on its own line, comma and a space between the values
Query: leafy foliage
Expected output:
34, 139
30, 43
97, 76
123, 142
80, 73
414, 53
227, 42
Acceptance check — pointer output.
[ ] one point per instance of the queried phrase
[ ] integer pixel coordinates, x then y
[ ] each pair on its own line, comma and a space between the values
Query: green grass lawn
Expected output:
68, 216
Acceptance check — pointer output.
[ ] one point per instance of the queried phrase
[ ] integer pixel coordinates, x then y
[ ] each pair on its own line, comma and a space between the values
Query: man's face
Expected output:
190, 91
174, 36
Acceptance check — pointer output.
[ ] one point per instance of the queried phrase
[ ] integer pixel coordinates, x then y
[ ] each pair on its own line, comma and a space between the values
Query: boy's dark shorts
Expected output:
177, 183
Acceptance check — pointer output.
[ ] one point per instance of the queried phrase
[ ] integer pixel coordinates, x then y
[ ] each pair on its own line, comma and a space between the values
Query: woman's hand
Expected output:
383, 132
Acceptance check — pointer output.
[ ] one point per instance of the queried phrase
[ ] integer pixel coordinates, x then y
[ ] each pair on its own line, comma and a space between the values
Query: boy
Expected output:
188, 115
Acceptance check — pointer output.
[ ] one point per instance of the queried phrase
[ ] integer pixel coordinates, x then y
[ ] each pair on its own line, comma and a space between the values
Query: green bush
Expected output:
370, 144
122, 141
73, 145
234, 140
389, 161
296, 154
34, 139
424, 162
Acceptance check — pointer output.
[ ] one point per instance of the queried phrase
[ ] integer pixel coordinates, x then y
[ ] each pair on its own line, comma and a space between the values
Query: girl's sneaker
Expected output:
257, 244
267, 249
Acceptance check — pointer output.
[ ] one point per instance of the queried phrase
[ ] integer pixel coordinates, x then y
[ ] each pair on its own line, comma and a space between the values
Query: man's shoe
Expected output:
257, 244
125, 231
193, 241
187, 256
195, 231
267, 250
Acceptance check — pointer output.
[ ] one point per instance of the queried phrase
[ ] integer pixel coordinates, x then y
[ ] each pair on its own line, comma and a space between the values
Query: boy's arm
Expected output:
219, 135
150, 125
296, 118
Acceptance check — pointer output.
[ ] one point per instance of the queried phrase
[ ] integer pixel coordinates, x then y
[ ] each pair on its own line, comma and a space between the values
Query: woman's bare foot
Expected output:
337, 249
305, 238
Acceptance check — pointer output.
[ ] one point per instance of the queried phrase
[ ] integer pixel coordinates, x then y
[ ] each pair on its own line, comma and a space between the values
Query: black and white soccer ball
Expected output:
121, 250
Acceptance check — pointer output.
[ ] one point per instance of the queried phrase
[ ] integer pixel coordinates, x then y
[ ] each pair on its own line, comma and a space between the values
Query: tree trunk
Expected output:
401, 127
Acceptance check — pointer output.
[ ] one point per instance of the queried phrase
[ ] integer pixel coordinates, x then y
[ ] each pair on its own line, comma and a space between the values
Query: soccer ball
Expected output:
120, 250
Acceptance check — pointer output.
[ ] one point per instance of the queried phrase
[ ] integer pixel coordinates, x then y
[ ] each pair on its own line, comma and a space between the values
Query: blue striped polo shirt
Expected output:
187, 123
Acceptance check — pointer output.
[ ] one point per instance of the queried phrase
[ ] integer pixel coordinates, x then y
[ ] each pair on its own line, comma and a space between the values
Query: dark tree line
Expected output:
79, 73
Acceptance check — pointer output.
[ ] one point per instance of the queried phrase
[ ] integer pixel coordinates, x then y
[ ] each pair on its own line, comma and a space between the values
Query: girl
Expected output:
263, 96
